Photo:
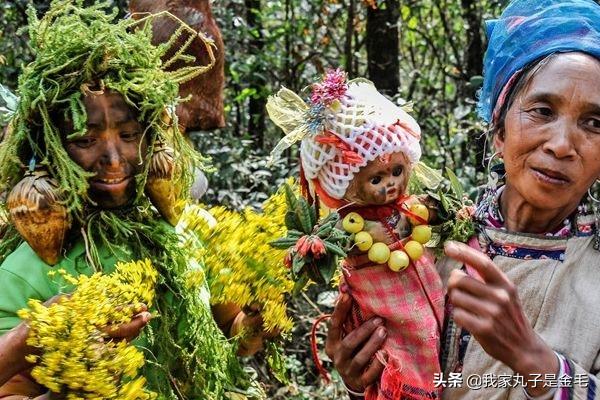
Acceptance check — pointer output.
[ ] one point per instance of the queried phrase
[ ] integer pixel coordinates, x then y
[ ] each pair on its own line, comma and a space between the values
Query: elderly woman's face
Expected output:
551, 140
111, 148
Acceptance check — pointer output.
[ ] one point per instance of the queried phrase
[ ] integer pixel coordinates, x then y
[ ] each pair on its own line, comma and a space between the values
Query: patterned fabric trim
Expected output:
524, 253
552, 245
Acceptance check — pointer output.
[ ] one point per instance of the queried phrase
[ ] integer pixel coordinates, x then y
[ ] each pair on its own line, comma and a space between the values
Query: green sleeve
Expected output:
24, 276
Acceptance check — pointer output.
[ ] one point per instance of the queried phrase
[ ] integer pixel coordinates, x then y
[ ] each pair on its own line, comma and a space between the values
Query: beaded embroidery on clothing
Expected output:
488, 215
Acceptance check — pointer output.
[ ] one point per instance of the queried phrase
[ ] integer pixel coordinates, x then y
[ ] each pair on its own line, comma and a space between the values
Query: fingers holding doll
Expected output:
354, 355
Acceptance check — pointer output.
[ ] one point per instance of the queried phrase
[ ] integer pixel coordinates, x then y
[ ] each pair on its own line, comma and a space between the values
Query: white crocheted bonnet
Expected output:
366, 124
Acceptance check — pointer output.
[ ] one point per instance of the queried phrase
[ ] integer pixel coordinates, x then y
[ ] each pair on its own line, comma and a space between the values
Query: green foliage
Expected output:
240, 174
314, 247
80, 50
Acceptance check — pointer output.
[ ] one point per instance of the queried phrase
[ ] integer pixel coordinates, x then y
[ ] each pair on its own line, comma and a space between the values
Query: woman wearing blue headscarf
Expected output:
523, 320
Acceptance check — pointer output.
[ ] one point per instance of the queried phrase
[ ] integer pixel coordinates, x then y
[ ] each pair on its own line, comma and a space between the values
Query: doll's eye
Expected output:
397, 171
376, 180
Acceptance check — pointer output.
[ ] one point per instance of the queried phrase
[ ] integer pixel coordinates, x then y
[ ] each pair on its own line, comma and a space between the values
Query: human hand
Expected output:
491, 311
354, 355
132, 329
250, 322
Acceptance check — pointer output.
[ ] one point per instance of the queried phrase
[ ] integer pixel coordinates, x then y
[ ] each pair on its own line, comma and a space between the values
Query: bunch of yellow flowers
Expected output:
241, 267
77, 358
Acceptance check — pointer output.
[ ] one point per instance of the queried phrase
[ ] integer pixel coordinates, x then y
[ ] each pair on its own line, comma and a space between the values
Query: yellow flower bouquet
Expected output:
77, 358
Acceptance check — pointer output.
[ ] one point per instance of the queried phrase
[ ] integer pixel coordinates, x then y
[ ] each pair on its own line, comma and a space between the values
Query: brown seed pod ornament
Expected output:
35, 211
160, 187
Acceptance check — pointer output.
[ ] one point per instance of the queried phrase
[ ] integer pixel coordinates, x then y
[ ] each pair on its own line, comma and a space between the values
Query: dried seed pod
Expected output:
160, 187
34, 209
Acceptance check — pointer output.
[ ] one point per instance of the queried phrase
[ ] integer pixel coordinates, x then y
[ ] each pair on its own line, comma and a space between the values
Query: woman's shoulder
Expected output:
24, 265
23, 261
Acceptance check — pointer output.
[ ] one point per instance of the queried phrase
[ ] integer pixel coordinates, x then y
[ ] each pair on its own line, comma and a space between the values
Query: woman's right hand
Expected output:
353, 355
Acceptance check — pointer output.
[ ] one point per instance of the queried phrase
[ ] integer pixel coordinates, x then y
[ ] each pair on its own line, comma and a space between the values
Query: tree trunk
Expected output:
383, 46
348, 48
257, 101
473, 66
474, 51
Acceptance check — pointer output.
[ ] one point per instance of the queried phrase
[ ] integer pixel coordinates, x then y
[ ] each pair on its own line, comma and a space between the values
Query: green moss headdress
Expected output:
79, 48
74, 49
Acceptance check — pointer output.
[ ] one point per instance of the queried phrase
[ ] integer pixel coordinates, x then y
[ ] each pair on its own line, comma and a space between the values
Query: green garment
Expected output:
24, 276
182, 344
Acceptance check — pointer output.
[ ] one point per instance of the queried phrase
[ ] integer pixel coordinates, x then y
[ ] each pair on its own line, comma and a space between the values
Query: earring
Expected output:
37, 214
596, 210
493, 176
160, 187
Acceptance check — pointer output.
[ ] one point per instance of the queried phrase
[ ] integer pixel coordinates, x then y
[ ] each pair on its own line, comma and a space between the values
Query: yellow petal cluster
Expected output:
241, 266
76, 356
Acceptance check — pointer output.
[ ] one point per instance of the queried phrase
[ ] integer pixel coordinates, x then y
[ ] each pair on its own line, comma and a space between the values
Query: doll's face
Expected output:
381, 181
111, 148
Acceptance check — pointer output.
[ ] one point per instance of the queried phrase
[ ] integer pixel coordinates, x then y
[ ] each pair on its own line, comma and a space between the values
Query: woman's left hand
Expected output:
491, 311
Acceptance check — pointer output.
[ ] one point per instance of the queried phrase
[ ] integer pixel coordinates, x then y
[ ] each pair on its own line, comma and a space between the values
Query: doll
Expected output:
358, 150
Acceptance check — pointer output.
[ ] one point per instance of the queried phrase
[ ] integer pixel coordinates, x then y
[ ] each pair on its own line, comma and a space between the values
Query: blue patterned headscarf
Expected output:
528, 30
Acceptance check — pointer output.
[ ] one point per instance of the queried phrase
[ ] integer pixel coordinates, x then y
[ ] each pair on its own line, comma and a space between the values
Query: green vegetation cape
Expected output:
76, 49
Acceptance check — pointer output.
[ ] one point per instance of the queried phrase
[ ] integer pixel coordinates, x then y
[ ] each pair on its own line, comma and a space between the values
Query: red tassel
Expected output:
411, 214
332, 140
315, 351
351, 157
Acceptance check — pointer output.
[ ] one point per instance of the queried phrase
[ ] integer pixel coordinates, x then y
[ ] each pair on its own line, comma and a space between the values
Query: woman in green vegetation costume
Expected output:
81, 53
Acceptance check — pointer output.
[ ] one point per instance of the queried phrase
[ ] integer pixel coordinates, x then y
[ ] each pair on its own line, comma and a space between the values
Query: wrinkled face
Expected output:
551, 141
381, 181
111, 148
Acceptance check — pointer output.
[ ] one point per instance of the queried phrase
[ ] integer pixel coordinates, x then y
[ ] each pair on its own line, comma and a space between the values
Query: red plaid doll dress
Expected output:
411, 302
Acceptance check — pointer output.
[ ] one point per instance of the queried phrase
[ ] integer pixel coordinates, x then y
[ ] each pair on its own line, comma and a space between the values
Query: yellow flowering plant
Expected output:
76, 357
241, 267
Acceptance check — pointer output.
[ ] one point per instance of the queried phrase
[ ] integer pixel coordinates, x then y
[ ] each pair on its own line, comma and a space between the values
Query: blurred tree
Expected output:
257, 101
383, 45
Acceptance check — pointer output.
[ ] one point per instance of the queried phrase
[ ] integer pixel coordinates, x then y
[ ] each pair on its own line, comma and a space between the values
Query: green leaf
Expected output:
405, 12
300, 284
328, 269
332, 216
335, 249
291, 221
457, 188
290, 197
413, 22
298, 263
276, 361
283, 243
303, 213
313, 214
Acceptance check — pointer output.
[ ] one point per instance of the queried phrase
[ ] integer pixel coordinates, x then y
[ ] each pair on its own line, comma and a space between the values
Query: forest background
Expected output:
428, 52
